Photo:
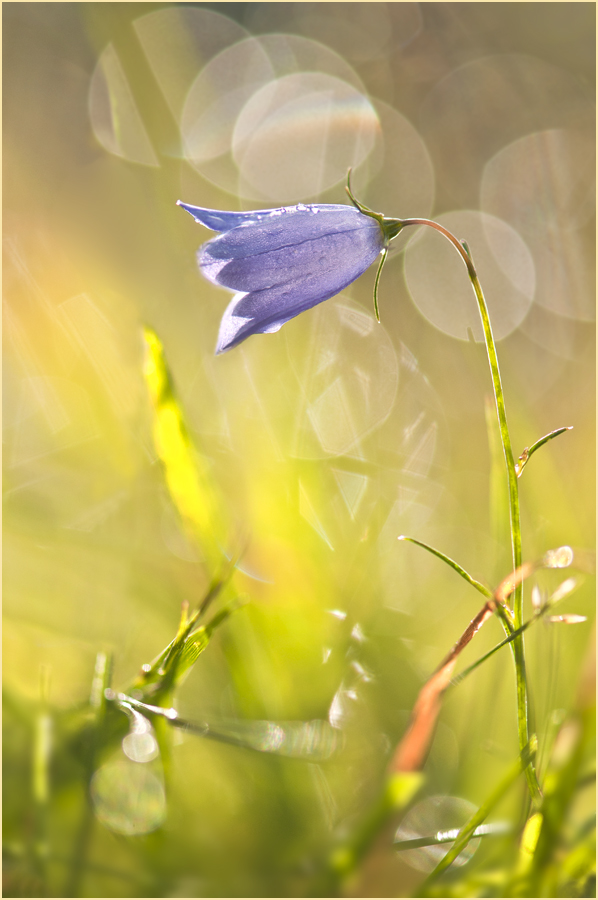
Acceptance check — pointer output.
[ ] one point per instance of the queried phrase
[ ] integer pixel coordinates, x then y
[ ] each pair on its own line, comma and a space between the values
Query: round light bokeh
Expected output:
216, 98
553, 332
140, 747
542, 185
128, 798
290, 54
180, 40
274, 119
438, 283
489, 102
427, 819
357, 31
398, 177
297, 136
175, 42
279, 118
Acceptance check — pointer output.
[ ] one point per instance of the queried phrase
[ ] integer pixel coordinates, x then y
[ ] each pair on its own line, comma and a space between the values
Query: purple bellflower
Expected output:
284, 261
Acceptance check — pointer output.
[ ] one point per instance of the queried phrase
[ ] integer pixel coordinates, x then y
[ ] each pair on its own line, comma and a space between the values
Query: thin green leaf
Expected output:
514, 511
527, 453
313, 740
447, 837
498, 493
450, 562
466, 833
190, 651
515, 634
523, 728
195, 643
574, 743
162, 664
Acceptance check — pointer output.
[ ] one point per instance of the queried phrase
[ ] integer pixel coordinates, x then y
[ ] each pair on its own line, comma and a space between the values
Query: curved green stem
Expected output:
515, 523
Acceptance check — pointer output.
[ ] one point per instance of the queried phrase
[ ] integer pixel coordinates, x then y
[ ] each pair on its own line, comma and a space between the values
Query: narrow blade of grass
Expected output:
463, 675
525, 758
187, 472
450, 562
527, 453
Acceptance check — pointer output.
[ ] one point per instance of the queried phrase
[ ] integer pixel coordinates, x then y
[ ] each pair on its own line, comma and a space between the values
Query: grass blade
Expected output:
525, 758
527, 453
450, 562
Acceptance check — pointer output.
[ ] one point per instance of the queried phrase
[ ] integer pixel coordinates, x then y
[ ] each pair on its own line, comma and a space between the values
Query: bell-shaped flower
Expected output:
284, 261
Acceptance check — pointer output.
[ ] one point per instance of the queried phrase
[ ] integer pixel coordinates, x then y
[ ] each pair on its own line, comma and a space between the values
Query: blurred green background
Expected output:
325, 441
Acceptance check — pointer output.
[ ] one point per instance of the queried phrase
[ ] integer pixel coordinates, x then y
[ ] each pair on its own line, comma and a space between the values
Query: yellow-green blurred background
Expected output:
326, 440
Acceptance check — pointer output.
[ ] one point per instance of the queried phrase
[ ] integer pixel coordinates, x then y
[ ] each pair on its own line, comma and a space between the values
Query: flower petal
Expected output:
337, 248
266, 310
235, 328
221, 220
283, 261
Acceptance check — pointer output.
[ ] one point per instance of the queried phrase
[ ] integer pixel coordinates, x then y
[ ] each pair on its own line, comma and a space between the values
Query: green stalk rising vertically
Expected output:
518, 649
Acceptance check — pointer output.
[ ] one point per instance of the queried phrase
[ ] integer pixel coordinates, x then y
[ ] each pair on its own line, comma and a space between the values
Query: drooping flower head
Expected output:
284, 261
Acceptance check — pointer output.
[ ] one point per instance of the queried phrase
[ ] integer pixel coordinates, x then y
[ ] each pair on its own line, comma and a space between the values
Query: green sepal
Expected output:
382, 261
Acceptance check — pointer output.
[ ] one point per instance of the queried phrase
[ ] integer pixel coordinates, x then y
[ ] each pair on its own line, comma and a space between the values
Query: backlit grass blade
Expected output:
467, 832
527, 453
450, 562
186, 471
